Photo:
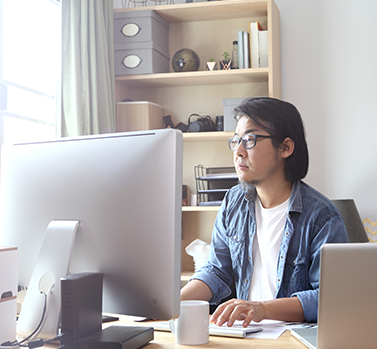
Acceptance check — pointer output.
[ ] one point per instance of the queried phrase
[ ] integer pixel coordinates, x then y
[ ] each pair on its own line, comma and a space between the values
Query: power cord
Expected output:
38, 342
31, 344
44, 313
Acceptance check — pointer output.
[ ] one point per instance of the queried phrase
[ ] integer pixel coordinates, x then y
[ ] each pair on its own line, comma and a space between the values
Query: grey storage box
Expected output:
141, 26
229, 114
141, 58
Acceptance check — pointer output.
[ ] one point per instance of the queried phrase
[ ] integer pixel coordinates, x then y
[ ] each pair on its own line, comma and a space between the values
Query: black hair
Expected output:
281, 120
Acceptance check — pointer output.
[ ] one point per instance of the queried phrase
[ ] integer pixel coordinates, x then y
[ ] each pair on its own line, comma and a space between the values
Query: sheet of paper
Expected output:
271, 329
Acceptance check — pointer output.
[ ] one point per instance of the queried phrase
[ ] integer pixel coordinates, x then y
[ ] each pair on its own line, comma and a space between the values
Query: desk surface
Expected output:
286, 340
166, 340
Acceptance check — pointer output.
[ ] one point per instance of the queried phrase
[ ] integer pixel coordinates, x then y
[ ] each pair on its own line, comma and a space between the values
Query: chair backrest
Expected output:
352, 220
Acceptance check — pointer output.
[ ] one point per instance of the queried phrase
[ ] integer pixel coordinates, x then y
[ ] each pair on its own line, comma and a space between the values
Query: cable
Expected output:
40, 323
40, 342
45, 312
37, 343
33, 344
10, 345
16, 344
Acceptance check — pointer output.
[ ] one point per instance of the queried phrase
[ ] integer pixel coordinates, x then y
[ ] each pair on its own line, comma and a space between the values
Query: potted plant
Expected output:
211, 64
226, 61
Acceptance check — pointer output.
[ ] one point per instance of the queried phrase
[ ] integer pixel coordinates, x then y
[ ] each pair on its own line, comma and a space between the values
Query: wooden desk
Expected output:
166, 340
286, 340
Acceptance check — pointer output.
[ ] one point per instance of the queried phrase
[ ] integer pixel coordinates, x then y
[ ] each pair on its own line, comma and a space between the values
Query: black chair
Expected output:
352, 220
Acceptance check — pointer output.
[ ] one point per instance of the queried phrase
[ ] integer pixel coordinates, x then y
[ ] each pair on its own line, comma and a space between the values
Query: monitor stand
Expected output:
52, 264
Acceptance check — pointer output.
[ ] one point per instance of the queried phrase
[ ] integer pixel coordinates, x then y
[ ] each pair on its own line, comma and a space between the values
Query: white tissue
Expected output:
199, 250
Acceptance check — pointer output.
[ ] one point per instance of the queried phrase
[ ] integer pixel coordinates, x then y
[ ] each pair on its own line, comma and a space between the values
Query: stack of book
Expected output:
252, 47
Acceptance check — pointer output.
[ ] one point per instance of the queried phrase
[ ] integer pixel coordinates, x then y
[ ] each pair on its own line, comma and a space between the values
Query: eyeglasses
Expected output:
248, 141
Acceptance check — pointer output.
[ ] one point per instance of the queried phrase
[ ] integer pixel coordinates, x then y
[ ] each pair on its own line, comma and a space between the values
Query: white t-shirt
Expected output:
266, 246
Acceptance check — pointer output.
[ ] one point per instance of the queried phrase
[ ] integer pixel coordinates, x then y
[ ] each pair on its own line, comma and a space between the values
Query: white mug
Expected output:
192, 326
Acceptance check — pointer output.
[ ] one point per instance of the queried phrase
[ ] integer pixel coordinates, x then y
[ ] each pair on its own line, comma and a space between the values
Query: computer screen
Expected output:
125, 190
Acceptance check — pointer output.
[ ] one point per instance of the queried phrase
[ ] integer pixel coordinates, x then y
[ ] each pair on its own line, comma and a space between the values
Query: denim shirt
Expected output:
312, 221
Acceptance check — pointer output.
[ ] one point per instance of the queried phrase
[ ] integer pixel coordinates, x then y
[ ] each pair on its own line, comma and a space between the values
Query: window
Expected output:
30, 68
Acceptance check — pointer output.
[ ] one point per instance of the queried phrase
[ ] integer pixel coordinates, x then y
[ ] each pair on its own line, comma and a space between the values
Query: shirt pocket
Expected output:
237, 246
296, 276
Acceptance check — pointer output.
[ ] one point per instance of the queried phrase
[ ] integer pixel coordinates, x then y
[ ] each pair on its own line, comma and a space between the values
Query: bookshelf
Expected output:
209, 28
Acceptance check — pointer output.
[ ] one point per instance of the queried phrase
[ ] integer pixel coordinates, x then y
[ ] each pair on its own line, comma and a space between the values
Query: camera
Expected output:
201, 124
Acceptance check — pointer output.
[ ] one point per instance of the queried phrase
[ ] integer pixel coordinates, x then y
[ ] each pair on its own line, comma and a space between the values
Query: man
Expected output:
270, 228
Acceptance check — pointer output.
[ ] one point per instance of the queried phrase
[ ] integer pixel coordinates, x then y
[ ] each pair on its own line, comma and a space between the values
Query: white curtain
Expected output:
88, 83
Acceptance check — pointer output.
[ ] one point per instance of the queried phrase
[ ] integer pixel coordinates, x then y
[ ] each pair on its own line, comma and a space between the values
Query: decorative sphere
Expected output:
185, 60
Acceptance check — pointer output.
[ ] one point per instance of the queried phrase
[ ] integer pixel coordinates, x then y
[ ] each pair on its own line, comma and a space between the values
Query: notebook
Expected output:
347, 307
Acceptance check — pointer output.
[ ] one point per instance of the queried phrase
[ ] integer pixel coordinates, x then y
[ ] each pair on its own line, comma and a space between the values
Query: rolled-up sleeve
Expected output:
217, 272
332, 230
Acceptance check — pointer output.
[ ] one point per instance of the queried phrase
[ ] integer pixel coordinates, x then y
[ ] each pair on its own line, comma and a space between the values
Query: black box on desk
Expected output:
81, 305
132, 27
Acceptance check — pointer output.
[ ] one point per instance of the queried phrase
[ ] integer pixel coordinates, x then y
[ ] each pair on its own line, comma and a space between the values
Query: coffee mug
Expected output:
192, 326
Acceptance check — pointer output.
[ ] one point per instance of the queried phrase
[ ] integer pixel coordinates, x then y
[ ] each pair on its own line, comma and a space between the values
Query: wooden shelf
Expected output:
200, 208
207, 136
208, 28
206, 11
197, 78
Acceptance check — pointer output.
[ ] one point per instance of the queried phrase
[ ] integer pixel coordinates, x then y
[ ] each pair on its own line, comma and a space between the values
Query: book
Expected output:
186, 195
246, 51
254, 28
263, 48
240, 49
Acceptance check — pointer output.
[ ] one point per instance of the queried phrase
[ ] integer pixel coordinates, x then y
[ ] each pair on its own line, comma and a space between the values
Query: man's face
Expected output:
261, 164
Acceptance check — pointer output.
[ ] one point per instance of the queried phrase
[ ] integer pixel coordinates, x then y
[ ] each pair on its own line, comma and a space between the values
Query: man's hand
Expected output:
237, 309
281, 309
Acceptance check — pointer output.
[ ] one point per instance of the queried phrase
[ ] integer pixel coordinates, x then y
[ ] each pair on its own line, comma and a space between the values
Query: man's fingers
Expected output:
228, 313
219, 310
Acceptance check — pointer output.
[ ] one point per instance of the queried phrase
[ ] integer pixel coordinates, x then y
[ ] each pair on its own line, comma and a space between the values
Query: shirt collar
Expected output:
295, 200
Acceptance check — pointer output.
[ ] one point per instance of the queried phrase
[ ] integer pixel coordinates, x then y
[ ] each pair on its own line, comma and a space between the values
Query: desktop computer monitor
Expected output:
125, 189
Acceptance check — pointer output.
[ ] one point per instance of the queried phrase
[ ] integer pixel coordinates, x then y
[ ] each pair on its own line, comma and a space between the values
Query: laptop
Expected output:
347, 310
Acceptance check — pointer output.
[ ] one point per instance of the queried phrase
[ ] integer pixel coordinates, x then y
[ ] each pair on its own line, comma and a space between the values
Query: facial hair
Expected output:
247, 186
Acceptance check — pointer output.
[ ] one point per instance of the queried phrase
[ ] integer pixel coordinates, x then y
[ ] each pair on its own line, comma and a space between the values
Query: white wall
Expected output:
329, 71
